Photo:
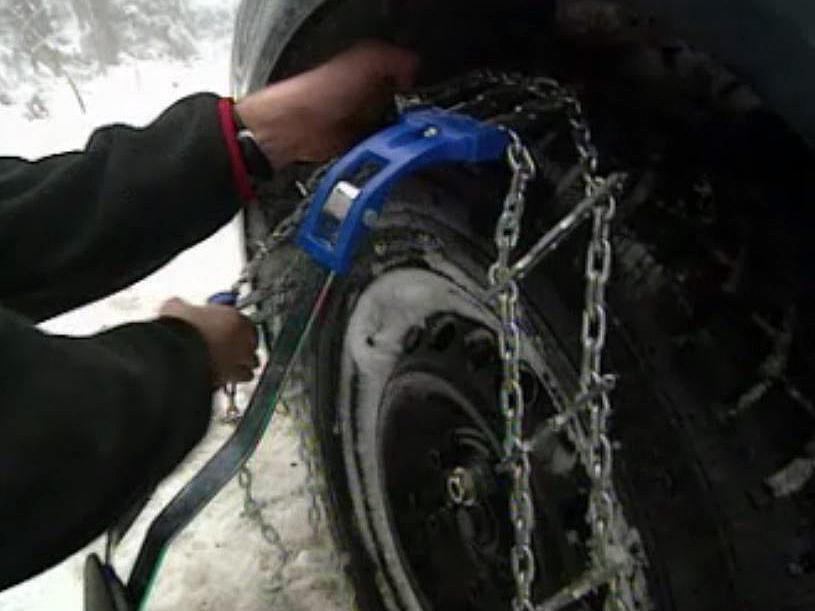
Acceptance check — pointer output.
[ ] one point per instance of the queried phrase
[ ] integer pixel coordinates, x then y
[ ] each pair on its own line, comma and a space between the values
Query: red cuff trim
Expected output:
239, 172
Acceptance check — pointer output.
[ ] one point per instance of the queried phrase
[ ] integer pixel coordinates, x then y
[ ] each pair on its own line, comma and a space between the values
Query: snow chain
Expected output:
516, 454
611, 559
593, 396
294, 404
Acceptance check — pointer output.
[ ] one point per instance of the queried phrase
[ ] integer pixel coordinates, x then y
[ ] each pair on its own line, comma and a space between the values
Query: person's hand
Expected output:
230, 338
319, 113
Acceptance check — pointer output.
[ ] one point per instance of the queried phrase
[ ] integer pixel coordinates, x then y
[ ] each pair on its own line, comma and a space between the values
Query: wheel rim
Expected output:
479, 576
441, 455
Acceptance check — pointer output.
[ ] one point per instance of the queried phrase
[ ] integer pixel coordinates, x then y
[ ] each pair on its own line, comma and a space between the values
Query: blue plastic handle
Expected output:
421, 138
227, 298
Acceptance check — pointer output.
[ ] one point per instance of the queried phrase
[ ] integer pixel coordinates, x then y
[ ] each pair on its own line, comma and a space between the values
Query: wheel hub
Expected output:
441, 450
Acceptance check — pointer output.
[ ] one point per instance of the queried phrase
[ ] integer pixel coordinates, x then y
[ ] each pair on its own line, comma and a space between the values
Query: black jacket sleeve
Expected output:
90, 425
78, 226
87, 428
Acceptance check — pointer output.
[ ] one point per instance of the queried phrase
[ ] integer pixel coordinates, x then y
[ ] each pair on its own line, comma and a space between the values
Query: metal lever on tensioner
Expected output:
343, 209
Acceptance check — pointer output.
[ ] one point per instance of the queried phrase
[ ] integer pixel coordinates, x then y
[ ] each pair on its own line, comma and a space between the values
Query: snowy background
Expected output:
64, 70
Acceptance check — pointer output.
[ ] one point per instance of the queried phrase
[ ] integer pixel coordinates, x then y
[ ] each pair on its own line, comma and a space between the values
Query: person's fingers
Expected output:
319, 113
402, 67
244, 374
396, 65
172, 307
248, 359
250, 332
231, 338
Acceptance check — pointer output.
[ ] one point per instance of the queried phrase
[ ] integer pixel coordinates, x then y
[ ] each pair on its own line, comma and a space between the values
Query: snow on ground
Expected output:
220, 561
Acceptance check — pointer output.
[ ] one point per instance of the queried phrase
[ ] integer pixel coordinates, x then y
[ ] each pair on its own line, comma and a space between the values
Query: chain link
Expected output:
296, 400
252, 508
282, 232
307, 451
293, 401
516, 453
593, 395
603, 505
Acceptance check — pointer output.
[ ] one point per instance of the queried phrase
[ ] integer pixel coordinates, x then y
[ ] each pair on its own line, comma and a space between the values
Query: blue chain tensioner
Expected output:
342, 211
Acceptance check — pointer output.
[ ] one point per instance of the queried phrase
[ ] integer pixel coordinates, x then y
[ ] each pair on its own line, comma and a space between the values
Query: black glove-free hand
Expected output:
320, 113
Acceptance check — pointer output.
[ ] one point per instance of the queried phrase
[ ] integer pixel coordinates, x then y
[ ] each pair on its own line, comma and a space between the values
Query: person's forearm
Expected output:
78, 226
87, 428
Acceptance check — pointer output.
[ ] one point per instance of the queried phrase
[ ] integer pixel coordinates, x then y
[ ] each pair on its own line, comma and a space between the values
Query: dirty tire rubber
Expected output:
709, 546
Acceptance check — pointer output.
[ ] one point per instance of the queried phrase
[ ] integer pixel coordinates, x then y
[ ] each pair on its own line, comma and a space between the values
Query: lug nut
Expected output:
461, 487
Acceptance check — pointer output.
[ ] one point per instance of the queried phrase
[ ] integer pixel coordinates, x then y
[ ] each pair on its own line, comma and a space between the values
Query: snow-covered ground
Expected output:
221, 561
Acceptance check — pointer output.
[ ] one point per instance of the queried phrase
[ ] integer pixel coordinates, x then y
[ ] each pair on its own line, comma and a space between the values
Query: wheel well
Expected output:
764, 44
